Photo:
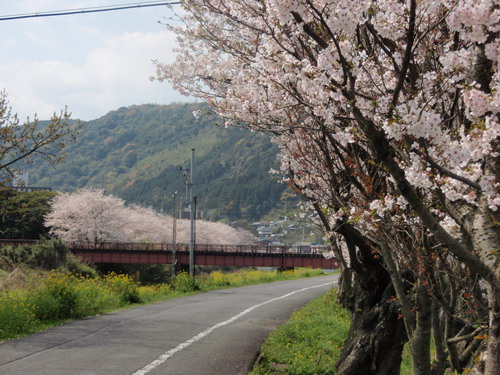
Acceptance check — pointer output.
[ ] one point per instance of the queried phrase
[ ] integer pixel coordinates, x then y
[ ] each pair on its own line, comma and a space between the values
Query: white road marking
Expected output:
165, 356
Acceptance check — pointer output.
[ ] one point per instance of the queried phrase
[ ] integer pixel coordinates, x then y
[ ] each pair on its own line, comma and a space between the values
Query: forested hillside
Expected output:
135, 153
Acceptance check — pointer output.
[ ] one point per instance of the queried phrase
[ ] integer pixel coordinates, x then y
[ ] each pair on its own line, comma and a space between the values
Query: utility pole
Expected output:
174, 235
190, 201
193, 234
191, 217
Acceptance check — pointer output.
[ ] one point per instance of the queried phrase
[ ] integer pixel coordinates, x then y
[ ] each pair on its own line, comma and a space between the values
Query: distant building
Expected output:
260, 224
264, 241
21, 179
292, 228
278, 223
263, 231
30, 189
20, 182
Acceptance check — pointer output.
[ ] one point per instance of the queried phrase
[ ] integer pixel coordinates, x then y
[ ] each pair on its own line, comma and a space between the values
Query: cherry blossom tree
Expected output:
387, 116
88, 216
95, 217
218, 233
146, 225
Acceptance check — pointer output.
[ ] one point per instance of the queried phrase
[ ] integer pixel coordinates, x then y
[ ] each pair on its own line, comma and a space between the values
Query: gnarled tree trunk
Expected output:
376, 335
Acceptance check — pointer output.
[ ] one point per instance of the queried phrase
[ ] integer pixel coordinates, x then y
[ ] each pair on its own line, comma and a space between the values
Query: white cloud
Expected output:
114, 75
91, 64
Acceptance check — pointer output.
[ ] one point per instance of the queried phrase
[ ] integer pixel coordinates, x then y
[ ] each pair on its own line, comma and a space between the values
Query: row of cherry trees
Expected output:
386, 113
92, 216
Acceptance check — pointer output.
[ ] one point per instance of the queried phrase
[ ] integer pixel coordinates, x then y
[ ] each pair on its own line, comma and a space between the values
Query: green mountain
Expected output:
135, 153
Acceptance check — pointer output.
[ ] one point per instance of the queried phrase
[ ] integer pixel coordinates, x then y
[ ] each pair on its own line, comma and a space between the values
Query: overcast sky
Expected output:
91, 63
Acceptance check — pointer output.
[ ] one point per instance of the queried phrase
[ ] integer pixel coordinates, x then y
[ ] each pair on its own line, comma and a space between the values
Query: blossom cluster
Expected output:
314, 73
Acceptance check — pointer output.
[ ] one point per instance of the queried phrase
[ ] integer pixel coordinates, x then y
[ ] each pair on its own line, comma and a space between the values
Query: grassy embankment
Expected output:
310, 342
61, 296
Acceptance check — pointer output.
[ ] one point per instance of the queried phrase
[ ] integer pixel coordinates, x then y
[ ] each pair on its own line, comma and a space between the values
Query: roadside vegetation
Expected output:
31, 300
310, 342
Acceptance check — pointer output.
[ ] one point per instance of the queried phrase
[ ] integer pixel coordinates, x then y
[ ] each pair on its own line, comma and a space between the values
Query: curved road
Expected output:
218, 332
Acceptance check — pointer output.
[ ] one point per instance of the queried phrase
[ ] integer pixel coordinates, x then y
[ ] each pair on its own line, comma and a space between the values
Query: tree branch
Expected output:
445, 171
410, 38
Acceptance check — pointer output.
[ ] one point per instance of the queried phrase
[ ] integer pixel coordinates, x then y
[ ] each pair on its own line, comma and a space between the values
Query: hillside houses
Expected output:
279, 232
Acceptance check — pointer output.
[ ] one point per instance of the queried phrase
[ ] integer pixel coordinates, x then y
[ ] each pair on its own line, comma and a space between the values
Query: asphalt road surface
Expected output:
218, 332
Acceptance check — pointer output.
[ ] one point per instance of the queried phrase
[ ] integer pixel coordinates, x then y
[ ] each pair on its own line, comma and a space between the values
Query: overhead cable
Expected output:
108, 8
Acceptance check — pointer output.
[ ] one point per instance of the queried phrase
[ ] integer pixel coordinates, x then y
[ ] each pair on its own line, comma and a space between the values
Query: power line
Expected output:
108, 8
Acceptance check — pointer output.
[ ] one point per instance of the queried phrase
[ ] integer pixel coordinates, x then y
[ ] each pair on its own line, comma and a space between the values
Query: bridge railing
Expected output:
135, 246
116, 245
250, 249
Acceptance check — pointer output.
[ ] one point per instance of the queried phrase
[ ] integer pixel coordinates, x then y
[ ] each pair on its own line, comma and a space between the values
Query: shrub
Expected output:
48, 254
45, 306
94, 298
66, 296
16, 315
152, 293
183, 283
79, 267
124, 286
56, 298
219, 279
144, 273
15, 254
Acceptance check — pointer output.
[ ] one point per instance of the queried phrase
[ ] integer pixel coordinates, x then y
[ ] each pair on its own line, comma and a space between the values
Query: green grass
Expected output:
59, 297
309, 343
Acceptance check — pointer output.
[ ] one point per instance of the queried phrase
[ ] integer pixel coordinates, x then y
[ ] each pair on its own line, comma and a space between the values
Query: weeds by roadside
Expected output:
61, 296
309, 343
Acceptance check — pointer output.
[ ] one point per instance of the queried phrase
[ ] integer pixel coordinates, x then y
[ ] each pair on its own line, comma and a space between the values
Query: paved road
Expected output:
219, 332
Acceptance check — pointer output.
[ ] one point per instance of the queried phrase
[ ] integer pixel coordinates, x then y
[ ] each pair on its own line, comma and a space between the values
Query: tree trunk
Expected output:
492, 362
376, 335
420, 342
439, 340
485, 235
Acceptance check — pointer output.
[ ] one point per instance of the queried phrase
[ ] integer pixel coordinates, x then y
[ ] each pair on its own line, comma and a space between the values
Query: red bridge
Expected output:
208, 255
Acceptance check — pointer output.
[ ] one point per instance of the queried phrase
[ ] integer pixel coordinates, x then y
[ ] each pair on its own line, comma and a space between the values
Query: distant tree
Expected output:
24, 141
89, 216
218, 233
92, 216
144, 224
22, 213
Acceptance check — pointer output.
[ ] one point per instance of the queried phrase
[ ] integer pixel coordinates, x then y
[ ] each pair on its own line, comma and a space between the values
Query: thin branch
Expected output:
447, 172
409, 316
467, 336
410, 38
309, 31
